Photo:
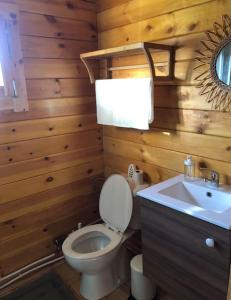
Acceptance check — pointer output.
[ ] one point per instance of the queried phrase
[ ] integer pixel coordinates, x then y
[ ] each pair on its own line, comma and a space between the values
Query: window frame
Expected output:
15, 92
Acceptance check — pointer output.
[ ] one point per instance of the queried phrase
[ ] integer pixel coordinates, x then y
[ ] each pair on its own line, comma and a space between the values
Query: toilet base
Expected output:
99, 285
96, 286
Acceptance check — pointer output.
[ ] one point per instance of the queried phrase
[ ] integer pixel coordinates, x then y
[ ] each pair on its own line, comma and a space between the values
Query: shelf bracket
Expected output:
148, 55
89, 69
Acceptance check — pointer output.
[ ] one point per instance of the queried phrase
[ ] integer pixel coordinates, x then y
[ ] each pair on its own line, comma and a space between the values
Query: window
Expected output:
1, 77
13, 93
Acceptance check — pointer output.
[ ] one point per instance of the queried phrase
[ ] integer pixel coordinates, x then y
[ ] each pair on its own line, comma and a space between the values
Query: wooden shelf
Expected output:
131, 49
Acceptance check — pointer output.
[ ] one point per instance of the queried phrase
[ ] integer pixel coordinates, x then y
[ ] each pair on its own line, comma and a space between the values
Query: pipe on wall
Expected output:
21, 275
19, 271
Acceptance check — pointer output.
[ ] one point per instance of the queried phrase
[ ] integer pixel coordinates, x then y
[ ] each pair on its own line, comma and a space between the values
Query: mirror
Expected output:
223, 64
214, 65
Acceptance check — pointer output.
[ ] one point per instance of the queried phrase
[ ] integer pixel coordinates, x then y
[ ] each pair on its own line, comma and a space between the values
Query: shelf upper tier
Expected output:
131, 49
125, 50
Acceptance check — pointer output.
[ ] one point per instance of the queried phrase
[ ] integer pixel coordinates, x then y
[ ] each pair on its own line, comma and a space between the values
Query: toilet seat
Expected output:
114, 240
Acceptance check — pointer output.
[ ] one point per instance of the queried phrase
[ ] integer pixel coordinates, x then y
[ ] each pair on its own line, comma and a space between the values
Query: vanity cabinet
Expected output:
177, 258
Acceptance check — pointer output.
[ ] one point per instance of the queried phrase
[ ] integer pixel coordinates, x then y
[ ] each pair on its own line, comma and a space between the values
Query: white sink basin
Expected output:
199, 195
196, 198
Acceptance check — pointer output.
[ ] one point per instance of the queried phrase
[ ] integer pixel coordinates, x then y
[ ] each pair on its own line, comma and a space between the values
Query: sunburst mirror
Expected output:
214, 65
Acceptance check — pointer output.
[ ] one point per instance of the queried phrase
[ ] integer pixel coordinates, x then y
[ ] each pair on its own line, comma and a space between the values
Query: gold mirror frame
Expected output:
216, 91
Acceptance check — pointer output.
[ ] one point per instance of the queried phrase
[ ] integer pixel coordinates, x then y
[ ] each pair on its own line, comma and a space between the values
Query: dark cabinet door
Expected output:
177, 258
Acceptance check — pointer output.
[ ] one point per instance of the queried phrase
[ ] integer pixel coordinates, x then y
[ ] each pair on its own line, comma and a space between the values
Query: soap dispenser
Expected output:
189, 168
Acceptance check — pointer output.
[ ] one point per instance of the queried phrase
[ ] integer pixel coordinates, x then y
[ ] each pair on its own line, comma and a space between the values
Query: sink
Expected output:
196, 198
200, 196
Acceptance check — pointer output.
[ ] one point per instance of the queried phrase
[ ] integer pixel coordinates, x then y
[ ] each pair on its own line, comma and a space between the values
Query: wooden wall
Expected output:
50, 155
184, 123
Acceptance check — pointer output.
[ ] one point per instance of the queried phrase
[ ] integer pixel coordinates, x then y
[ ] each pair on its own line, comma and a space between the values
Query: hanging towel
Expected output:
125, 102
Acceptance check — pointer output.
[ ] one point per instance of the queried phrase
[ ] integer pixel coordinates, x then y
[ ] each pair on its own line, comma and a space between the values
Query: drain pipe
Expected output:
36, 265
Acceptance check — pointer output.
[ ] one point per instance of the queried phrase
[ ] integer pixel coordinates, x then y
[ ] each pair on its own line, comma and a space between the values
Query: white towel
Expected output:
125, 102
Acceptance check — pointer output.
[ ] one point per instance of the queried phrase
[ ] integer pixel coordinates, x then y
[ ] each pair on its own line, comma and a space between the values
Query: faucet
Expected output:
215, 178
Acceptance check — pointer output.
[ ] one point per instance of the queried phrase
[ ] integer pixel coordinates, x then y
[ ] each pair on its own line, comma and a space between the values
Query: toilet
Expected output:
97, 251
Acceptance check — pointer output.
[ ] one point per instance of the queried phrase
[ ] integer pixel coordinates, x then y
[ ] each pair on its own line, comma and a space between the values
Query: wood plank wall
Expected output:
184, 123
50, 155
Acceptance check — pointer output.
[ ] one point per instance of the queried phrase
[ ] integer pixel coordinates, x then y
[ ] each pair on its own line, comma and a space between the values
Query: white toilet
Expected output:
96, 250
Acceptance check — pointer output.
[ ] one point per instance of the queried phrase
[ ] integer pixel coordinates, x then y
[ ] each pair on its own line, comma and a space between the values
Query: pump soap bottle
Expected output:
189, 168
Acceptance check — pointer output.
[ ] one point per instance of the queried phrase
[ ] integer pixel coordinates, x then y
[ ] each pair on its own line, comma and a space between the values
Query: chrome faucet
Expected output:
214, 180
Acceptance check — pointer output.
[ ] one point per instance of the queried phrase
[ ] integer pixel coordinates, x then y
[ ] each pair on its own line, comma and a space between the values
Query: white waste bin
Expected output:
141, 287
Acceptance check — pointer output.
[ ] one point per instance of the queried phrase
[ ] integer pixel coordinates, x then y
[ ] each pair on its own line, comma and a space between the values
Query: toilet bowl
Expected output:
91, 251
95, 250
91, 248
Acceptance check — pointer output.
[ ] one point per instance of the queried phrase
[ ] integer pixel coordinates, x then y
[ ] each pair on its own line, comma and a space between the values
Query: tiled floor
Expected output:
72, 280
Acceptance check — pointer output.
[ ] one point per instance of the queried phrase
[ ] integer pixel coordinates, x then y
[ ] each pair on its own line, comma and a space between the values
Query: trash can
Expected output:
141, 287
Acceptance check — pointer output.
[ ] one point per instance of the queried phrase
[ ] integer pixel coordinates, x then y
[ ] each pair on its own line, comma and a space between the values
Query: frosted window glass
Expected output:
1, 77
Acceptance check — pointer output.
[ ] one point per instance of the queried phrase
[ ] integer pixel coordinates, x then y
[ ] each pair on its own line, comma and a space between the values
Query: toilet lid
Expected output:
115, 203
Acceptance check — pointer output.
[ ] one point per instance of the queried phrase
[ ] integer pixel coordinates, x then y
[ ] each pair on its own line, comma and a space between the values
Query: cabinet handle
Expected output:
210, 243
